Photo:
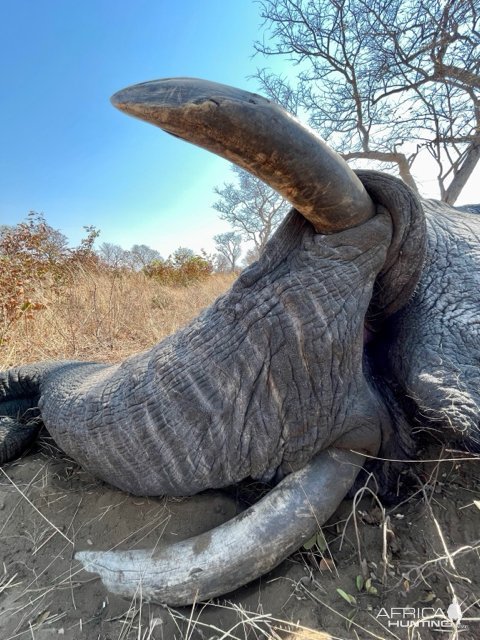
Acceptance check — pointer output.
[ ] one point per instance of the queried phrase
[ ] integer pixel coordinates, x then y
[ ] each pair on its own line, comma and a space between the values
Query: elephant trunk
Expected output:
259, 136
244, 548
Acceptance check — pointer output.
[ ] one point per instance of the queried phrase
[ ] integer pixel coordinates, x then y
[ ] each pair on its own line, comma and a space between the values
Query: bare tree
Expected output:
142, 255
229, 246
251, 207
138, 257
220, 263
114, 255
384, 80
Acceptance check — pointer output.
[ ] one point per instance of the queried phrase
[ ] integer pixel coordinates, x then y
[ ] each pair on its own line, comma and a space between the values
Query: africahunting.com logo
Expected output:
426, 617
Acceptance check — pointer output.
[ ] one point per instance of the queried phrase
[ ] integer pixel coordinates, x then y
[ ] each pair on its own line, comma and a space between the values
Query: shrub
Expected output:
180, 269
33, 257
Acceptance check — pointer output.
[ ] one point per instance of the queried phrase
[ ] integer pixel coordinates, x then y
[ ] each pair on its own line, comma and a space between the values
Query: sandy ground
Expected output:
413, 557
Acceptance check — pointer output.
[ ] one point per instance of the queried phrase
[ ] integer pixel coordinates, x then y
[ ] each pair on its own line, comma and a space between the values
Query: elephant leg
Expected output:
20, 390
15, 437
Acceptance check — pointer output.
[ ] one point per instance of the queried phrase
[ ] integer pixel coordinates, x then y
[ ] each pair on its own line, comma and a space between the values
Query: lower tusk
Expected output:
238, 551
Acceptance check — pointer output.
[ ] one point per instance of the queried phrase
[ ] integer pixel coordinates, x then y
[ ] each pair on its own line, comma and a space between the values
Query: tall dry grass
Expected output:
105, 316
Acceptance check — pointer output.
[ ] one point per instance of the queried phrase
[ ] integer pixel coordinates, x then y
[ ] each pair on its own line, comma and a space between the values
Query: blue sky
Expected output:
67, 152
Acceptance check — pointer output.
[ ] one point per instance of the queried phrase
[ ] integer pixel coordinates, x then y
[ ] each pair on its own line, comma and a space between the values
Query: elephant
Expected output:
356, 331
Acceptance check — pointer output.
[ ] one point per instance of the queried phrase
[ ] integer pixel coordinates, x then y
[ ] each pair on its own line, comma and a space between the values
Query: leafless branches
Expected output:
383, 80
251, 207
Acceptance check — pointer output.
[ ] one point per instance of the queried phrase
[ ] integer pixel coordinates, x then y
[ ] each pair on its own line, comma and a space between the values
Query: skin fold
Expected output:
433, 346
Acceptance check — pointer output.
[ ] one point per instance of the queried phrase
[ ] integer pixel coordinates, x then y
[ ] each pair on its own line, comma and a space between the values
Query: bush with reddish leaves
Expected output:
33, 256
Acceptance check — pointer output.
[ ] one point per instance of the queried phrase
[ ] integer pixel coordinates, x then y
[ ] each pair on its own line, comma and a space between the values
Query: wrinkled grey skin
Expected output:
255, 386
329, 344
432, 346
276, 370
259, 383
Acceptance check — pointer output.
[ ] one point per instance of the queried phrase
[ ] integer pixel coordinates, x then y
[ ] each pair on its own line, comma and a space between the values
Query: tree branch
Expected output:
400, 159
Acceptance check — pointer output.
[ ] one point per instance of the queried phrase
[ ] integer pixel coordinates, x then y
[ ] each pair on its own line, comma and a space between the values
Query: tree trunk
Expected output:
455, 187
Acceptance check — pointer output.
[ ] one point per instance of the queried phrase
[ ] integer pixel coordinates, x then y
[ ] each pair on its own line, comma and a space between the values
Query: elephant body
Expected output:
358, 328
254, 387
432, 346
270, 375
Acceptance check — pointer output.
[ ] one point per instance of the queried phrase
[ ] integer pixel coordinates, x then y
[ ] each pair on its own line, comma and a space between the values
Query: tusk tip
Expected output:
179, 92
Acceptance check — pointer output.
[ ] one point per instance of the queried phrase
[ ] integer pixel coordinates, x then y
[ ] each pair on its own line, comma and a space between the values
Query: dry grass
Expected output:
44, 592
105, 316
425, 546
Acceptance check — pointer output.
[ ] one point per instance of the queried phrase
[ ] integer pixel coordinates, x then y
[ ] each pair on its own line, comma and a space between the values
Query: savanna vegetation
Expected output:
63, 302
367, 562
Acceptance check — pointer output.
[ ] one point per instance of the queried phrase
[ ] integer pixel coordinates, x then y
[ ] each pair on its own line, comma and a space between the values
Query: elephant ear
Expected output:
259, 136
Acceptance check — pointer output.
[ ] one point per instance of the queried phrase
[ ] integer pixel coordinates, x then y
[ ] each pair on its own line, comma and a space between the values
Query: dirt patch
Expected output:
414, 558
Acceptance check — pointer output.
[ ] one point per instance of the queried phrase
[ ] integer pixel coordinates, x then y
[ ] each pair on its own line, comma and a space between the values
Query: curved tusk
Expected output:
242, 549
259, 136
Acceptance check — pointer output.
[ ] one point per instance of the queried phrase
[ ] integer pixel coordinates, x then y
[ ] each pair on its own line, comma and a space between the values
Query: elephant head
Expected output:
349, 330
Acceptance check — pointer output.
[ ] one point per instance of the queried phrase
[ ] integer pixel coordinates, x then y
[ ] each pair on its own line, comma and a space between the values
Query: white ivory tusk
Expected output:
238, 551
